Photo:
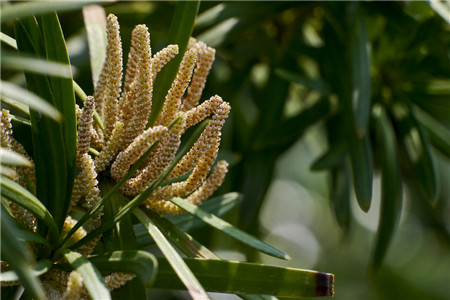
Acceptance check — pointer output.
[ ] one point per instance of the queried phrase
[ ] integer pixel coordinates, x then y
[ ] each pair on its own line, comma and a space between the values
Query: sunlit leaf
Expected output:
35, 65
11, 158
32, 100
228, 229
220, 276
95, 21
15, 192
174, 259
92, 279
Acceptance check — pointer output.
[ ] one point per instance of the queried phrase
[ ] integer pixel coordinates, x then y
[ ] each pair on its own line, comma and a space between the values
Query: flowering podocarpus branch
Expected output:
112, 149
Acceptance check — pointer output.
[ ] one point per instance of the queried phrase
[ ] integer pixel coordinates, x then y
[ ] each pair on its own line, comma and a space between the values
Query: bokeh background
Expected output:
287, 69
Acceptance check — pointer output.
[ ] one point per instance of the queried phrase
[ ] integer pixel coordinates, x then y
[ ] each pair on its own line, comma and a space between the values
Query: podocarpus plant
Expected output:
70, 208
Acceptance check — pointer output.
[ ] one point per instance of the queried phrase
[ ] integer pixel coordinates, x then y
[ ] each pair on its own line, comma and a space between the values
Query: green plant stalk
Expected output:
179, 33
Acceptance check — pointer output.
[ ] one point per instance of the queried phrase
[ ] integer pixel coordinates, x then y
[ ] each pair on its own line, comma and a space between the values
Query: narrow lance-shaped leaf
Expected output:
218, 206
19, 256
179, 33
340, 193
362, 167
228, 229
417, 149
391, 187
439, 135
28, 9
182, 240
15, 192
48, 141
92, 279
64, 97
220, 276
35, 65
359, 51
183, 272
31, 100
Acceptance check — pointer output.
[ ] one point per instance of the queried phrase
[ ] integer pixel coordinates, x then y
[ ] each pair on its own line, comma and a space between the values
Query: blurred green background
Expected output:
303, 79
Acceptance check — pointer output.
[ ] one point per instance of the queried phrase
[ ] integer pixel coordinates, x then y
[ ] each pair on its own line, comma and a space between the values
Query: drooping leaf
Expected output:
220, 276
340, 193
391, 187
359, 47
92, 279
183, 272
362, 166
417, 149
228, 229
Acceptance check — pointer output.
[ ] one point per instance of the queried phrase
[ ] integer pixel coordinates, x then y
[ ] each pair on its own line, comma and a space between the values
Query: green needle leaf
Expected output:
228, 229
